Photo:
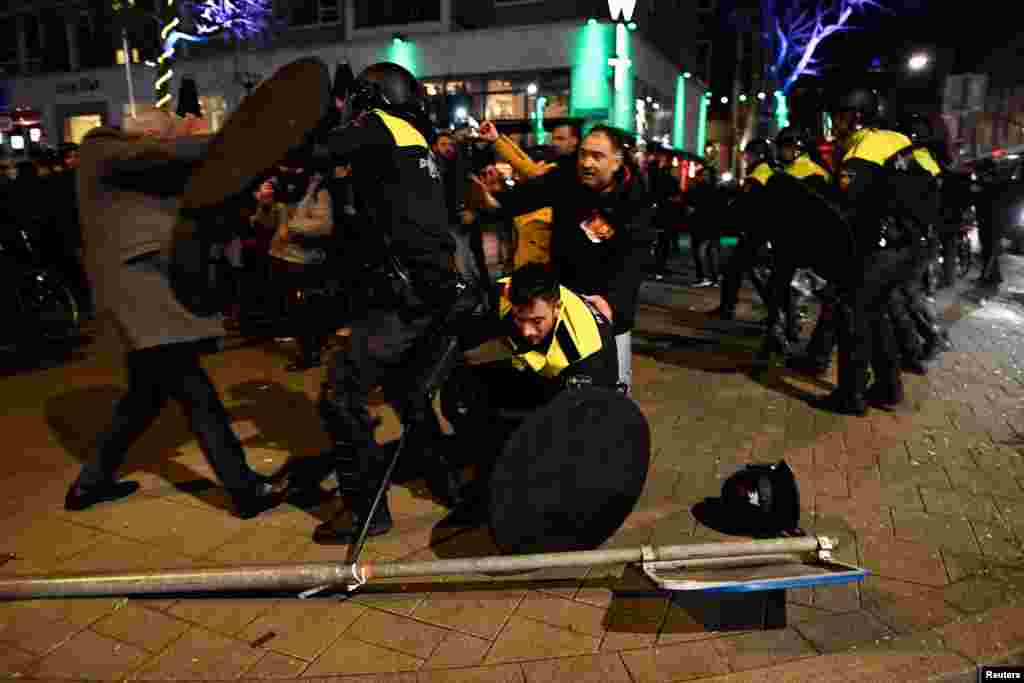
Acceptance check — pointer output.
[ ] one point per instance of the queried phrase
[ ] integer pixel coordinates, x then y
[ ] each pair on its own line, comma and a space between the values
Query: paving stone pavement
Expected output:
929, 497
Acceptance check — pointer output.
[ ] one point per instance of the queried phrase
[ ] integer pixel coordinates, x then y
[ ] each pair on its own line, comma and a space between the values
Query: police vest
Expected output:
927, 161
761, 173
804, 167
576, 336
911, 193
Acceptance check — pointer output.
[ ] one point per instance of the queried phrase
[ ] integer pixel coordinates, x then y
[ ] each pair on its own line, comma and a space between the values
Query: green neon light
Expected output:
590, 95
679, 120
404, 53
542, 135
623, 116
702, 126
781, 110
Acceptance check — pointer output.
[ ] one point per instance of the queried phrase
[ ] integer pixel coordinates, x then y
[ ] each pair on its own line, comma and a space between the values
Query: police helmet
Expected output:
387, 86
763, 500
760, 150
917, 128
861, 100
791, 136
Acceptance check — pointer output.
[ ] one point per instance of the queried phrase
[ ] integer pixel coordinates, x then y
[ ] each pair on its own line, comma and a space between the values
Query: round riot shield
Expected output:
569, 476
276, 117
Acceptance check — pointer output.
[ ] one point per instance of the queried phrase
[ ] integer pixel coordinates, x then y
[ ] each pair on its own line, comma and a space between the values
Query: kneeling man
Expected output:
559, 341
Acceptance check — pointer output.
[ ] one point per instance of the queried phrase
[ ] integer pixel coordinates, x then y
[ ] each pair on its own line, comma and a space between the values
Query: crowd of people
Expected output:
462, 235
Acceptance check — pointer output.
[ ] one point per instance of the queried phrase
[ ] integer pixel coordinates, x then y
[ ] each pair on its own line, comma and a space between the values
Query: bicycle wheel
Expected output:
47, 305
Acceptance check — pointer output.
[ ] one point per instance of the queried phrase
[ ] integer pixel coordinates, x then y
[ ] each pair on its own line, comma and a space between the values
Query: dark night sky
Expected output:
971, 29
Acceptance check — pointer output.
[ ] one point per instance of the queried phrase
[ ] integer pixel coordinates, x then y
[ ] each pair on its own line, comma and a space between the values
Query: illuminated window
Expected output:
505, 106
215, 109
135, 56
75, 127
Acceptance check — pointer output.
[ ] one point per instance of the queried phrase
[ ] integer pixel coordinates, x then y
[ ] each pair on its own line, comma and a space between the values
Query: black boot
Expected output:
345, 527
843, 403
884, 395
82, 497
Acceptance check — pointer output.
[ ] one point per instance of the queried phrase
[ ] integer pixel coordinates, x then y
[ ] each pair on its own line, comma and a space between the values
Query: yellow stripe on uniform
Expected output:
876, 146
405, 133
804, 167
761, 173
927, 161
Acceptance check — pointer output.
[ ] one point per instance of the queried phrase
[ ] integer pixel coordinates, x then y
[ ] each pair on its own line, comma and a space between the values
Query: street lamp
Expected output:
918, 61
531, 89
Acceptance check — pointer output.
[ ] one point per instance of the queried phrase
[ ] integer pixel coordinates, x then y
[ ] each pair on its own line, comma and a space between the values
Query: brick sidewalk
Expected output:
930, 498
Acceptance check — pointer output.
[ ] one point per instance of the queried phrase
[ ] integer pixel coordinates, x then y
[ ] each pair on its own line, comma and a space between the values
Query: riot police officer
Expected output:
915, 322
881, 185
760, 158
800, 162
385, 136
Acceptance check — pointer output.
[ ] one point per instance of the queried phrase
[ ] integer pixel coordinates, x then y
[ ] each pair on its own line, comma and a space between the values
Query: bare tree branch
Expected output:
800, 28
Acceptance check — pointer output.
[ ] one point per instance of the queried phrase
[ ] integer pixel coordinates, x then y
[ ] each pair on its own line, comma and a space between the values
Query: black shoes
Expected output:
915, 366
267, 495
880, 396
344, 529
79, 497
843, 404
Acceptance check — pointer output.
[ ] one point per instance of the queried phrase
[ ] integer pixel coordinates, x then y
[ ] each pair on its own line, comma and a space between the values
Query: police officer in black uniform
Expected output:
385, 137
760, 157
881, 184
799, 162
917, 329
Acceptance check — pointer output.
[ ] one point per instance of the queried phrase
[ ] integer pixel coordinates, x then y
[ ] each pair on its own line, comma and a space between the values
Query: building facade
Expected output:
518, 61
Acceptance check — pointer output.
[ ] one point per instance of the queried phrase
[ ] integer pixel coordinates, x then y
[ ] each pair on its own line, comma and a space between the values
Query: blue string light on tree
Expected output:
243, 19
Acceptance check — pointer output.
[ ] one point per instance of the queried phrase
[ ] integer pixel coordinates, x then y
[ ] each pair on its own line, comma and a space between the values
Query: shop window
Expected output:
505, 106
372, 13
75, 127
215, 109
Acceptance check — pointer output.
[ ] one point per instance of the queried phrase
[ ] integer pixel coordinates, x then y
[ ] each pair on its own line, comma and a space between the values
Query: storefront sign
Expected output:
623, 9
79, 86
621, 61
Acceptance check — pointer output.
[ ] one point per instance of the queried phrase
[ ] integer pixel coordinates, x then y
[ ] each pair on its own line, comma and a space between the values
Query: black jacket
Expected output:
400, 190
613, 269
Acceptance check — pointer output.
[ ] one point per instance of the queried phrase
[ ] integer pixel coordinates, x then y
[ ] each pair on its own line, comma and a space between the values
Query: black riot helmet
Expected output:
386, 86
794, 138
917, 128
763, 500
791, 136
866, 103
760, 150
